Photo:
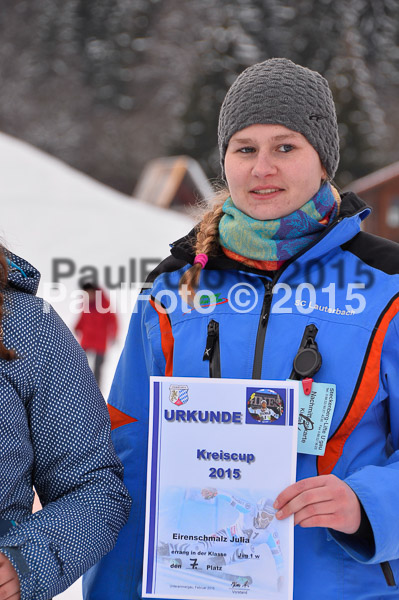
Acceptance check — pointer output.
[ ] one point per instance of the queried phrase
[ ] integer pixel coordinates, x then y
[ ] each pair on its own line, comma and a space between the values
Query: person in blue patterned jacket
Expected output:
55, 436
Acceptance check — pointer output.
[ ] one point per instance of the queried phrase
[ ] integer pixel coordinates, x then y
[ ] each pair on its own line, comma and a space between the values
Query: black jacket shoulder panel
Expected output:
168, 265
351, 204
375, 251
184, 247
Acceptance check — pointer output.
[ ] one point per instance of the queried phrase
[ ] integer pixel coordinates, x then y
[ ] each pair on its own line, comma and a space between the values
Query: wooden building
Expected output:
176, 182
380, 190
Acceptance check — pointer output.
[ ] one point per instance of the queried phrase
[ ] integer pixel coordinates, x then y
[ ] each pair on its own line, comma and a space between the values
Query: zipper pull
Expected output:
266, 302
309, 337
213, 334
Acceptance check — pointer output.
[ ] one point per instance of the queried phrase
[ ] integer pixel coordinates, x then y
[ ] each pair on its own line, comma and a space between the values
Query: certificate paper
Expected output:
220, 451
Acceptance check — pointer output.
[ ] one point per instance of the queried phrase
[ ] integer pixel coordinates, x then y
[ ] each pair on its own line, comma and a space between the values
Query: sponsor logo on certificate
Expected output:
265, 406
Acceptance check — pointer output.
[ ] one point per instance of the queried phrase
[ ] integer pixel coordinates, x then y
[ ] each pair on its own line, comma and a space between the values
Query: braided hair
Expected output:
206, 242
4, 352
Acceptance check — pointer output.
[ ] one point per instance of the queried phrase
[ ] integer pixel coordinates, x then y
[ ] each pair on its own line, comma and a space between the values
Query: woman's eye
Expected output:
246, 149
285, 148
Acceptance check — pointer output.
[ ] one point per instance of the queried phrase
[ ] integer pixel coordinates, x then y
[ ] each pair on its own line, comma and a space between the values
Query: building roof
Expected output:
162, 177
375, 179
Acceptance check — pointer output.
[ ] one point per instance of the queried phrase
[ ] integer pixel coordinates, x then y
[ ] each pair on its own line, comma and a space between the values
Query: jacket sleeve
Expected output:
128, 405
76, 472
377, 487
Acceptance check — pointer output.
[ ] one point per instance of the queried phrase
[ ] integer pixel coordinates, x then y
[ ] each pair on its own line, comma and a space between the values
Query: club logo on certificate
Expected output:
178, 394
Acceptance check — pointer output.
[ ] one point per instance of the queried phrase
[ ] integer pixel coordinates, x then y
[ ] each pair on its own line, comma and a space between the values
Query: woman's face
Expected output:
271, 171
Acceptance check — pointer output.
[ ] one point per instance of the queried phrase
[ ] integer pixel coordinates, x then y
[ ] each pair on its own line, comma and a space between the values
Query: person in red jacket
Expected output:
97, 325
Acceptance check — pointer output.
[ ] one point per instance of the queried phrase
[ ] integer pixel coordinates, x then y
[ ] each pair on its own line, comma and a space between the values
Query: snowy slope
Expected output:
50, 211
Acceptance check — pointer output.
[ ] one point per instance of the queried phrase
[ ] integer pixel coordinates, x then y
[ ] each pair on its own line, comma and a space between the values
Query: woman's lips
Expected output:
265, 192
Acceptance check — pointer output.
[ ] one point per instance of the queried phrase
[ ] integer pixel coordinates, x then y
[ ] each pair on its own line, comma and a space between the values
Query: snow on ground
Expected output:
68, 225
51, 212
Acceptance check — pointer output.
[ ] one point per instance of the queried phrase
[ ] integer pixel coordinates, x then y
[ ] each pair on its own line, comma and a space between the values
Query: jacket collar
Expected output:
352, 205
21, 274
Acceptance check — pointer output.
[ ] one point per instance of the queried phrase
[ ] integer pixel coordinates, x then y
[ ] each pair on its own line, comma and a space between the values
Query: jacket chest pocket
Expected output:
212, 349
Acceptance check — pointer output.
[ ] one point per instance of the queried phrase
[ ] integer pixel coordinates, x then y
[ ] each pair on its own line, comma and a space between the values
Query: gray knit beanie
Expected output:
279, 92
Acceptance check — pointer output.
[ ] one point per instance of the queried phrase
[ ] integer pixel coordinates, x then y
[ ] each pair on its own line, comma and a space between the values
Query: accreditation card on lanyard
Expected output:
219, 453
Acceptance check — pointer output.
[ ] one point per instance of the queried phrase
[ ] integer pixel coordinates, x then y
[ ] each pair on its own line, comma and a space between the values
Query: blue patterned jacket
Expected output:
55, 436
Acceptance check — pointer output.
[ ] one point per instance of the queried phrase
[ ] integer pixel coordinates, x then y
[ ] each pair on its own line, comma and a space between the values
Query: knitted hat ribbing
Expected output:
279, 92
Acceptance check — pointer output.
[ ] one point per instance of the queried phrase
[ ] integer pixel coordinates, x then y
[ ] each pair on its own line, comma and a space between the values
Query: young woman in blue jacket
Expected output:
278, 228
55, 437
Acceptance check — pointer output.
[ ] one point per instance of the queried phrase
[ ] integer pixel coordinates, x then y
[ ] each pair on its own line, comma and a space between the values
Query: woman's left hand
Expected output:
9, 581
323, 501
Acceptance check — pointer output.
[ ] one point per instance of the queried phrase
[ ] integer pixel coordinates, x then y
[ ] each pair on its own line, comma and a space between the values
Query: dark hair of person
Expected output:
89, 287
4, 352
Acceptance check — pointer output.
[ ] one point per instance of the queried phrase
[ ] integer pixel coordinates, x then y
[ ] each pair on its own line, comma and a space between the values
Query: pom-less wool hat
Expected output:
279, 92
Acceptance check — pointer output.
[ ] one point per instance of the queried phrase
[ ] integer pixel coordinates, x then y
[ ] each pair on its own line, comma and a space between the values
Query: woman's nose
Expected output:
264, 165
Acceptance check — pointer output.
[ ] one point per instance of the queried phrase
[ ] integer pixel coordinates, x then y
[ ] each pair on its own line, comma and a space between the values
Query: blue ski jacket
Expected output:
55, 436
347, 286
